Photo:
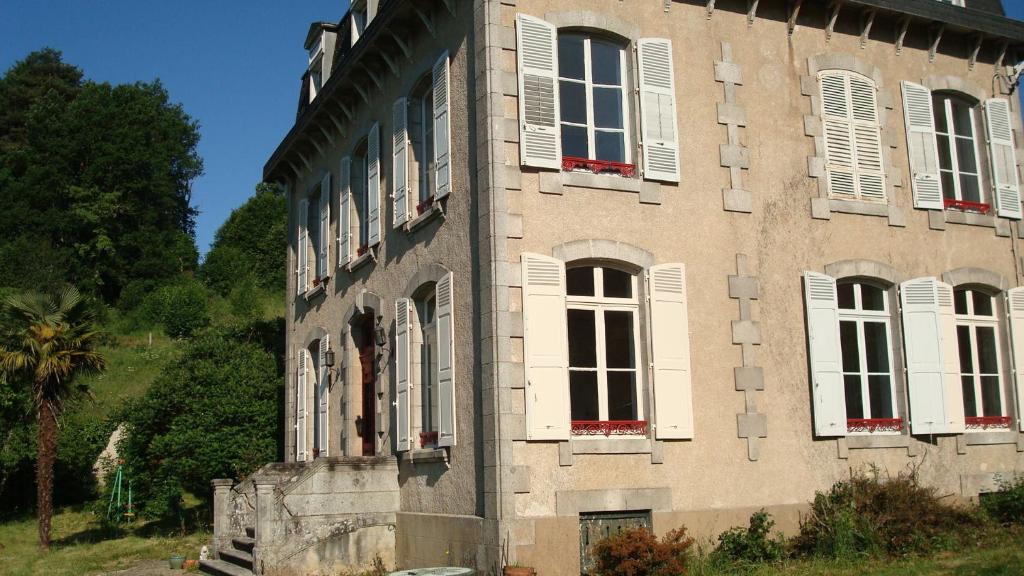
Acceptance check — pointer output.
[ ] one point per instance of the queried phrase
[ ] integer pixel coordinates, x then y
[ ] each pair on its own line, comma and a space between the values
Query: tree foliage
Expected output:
95, 180
250, 247
211, 414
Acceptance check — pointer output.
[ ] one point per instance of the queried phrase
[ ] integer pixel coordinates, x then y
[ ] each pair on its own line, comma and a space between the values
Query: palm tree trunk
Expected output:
45, 457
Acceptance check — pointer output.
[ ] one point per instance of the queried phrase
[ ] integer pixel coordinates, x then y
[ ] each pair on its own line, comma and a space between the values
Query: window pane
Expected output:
987, 363
948, 186
854, 401
611, 146
939, 108
962, 119
845, 292
872, 298
876, 344
618, 329
617, 284
622, 396
582, 339
605, 61
960, 301
982, 303
991, 399
574, 142
965, 155
848, 340
608, 107
880, 393
970, 405
573, 100
945, 159
583, 395
969, 189
580, 281
570, 56
963, 341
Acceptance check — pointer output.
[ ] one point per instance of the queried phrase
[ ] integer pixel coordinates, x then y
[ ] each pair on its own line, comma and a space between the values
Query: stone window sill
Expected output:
982, 438
554, 182
611, 446
429, 214
362, 260
318, 290
822, 209
878, 440
423, 456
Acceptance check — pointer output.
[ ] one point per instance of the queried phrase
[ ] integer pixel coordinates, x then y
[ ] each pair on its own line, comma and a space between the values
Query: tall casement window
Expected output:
592, 91
360, 199
313, 237
853, 140
582, 326
947, 166
425, 358
575, 102
864, 334
421, 140
850, 345
603, 318
978, 343
359, 220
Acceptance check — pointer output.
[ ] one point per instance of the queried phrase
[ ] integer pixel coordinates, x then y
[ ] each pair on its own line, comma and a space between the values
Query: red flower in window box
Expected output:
570, 163
362, 250
427, 438
425, 205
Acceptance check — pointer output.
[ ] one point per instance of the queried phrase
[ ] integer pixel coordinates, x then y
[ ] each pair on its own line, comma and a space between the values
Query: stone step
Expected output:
250, 531
244, 543
222, 568
237, 557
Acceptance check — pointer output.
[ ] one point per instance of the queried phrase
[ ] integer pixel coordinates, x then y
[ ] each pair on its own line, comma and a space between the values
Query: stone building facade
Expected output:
562, 266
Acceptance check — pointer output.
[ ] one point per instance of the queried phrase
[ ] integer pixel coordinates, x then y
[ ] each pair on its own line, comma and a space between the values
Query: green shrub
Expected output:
181, 308
637, 552
751, 545
1006, 505
867, 515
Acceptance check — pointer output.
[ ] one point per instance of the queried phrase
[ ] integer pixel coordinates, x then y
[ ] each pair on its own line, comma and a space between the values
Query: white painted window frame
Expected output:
589, 86
427, 375
947, 110
425, 177
599, 304
859, 315
972, 322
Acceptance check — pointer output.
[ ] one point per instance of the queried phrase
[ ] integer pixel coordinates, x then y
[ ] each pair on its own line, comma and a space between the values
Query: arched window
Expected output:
956, 129
360, 198
865, 340
853, 141
978, 341
593, 98
426, 337
602, 309
421, 139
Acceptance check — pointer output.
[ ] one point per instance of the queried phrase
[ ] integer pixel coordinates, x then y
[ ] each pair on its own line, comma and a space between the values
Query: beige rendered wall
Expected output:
402, 256
710, 481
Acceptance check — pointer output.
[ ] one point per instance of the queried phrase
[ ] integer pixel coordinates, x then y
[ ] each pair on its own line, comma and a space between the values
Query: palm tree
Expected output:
49, 341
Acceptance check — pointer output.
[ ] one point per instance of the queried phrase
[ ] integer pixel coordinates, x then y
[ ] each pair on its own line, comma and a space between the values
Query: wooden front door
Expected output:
368, 364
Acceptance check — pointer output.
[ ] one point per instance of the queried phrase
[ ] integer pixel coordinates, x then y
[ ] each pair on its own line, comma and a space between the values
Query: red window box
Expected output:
874, 424
570, 163
609, 428
428, 439
425, 205
316, 281
362, 250
988, 422
966, 206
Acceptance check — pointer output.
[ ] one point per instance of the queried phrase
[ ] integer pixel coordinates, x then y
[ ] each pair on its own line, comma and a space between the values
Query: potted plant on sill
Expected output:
515, 569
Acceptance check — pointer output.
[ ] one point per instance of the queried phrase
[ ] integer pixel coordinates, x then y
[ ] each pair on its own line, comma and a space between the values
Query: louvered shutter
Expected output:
1015, 308
300, 406
546, 348
324, 396
400, 164
928, 345
445, 361
301, 254
922, 146
1004, 159
658, 109
403, 387
673, 388
539, 135
867, 139
324, 240
442, 129
345, 212
953, 391
373, 185
838, 138
827, 386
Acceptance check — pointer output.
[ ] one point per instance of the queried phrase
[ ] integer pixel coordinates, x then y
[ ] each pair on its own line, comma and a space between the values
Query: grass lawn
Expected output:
80, 546
132, 365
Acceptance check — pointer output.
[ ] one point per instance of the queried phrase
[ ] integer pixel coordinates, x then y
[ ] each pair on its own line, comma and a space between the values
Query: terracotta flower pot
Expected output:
518, 571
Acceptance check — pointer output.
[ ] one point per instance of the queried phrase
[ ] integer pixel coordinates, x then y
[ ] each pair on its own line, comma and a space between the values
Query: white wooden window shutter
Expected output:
928, 346
998, 119
827, 388
442, 129
445, 361
867, 138
1015, 311
403, 386
400, 164
853, 142
300, 406
373, 184
323, 395
540, 142
673, 386
922, 146
546, 348
324, 241
345, 212
658, 109
301, 250
953, 391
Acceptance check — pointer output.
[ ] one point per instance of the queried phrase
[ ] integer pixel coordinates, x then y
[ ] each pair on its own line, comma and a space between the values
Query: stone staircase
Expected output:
325, 516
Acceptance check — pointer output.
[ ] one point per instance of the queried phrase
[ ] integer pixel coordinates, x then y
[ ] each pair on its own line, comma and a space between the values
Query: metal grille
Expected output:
596, 526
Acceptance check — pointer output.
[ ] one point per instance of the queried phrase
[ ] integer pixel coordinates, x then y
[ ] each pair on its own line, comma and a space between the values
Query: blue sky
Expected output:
234, 66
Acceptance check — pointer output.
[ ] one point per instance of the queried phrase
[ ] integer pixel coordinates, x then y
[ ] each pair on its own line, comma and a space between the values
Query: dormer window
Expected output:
358, 20
316, 67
